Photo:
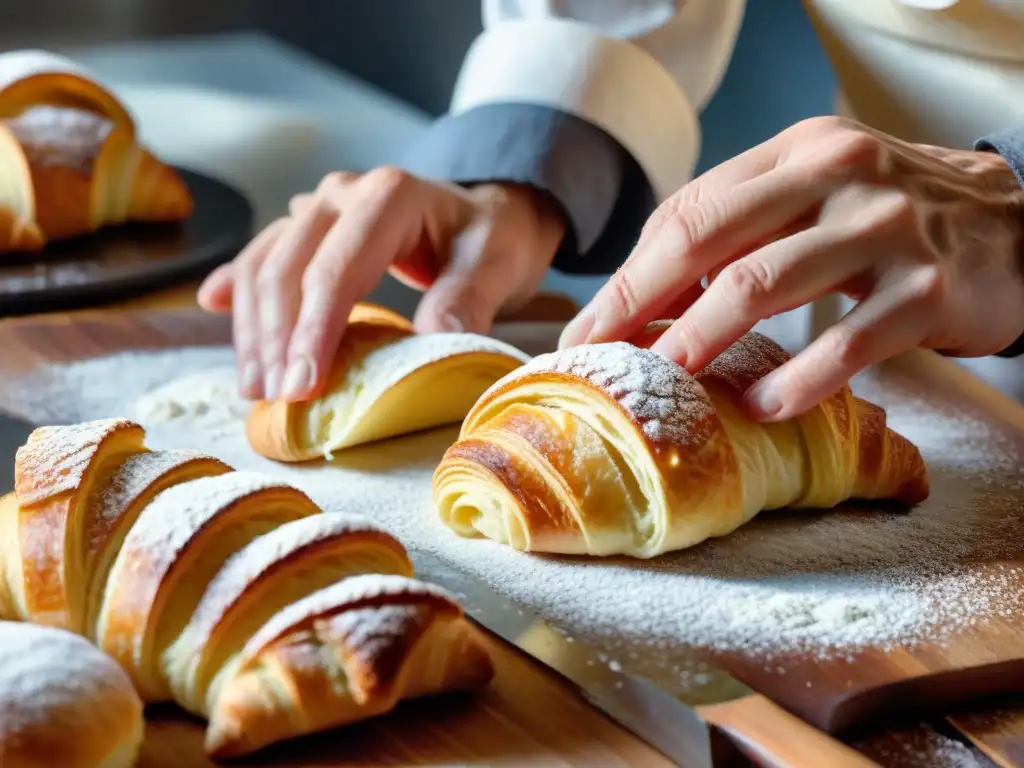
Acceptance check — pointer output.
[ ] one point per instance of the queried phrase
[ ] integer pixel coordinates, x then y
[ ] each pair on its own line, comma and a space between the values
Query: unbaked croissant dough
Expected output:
63, 702
612, 449
227, 592
70, 160
386, 381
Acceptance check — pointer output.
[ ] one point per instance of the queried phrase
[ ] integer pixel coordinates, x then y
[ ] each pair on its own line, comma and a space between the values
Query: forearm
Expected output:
1010, 145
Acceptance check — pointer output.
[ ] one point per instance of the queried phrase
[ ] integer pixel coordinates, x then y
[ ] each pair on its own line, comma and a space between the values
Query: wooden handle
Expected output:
774, 738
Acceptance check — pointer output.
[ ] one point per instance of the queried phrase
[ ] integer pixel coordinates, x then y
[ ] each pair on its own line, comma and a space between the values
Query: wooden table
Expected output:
529, 716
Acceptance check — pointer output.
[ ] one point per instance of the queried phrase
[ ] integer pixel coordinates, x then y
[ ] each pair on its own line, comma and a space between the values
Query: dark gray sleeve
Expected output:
601, 189
1009, 144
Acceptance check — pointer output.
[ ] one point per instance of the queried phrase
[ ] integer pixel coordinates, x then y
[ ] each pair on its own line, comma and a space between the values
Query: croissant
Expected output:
229, 593
62, 702
70, 160
386, 381
611, 449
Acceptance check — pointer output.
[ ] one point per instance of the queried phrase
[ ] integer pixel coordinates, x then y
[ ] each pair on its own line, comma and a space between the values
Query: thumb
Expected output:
471, 289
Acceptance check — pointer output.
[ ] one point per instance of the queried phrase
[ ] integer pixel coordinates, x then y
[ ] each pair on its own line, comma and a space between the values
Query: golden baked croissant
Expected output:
62, 702
386, 381
227, 592
70, 161
612, 449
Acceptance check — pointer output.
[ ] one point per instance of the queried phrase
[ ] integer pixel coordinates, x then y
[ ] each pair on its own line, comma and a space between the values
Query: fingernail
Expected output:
451, 324
272, 383
298, 381
249, 380
577, 331
763, 400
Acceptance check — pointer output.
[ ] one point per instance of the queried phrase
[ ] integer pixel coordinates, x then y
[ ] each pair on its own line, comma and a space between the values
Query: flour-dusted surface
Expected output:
923, 746
833, 582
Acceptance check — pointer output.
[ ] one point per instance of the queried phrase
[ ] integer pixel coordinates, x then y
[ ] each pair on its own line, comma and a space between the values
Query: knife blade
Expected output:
668, 724
681, 725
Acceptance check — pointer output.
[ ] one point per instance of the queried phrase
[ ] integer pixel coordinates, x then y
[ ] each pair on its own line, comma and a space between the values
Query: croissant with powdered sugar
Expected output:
70, 160
611, 449
227, 592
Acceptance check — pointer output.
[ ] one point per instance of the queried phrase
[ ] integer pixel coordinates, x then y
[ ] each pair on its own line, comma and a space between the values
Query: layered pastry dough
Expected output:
63, 703
227, 592
70, 160
386, 381
612, 449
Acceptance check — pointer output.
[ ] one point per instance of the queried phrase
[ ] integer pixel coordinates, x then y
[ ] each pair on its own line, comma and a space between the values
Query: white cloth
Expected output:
639, 69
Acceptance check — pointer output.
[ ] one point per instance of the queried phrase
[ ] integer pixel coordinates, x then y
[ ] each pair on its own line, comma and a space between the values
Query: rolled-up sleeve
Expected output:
594, 103
1010, 145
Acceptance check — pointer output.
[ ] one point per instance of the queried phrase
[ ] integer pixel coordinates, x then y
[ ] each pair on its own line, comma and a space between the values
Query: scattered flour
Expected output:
830, 582
922, 746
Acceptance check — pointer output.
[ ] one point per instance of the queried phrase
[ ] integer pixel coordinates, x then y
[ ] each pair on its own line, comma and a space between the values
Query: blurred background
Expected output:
216, 62
413, 49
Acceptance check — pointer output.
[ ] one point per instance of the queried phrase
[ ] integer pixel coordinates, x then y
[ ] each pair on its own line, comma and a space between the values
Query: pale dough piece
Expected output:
198, 396
63, 702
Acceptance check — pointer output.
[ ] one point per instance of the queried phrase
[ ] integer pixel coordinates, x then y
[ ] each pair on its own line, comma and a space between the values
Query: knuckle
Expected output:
851, 347
335, 181
850, 153
746, 283
897, 214
692, 224
625, 295
268, 278
929, 287
387, 180
824, 124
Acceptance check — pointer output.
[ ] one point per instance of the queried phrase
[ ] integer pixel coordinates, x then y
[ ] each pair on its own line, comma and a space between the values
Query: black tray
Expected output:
123, 262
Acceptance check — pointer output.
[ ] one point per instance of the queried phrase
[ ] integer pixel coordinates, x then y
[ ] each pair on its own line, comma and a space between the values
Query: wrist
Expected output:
538, 205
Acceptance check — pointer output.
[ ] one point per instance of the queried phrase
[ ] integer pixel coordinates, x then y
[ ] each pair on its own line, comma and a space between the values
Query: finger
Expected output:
244, 316
784, 274
894, 318
349, 263
214, 293
279, 287
688, 242
472, 288
299, 203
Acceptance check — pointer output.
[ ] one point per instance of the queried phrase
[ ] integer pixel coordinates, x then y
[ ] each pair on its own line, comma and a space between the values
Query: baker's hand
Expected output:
927, 240
474, 251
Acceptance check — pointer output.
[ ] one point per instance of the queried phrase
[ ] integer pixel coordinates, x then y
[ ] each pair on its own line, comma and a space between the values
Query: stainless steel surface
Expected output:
667, 722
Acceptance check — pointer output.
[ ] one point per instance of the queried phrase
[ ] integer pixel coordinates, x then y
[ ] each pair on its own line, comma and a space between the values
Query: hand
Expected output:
475, 252
929, 241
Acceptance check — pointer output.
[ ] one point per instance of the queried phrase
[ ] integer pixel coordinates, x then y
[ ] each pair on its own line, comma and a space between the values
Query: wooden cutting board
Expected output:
841, 692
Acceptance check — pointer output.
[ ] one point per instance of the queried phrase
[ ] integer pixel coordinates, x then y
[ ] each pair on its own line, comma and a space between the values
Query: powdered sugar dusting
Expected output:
354, 591
60, 456
136, 474
664, 399
831, 582
248, 564
172, 518
53, 678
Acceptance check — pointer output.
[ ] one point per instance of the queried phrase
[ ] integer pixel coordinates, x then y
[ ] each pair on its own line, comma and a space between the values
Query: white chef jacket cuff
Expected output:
612, 84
